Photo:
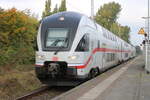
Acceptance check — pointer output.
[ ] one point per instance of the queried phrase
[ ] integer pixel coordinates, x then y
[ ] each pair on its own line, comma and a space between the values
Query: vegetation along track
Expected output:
44, 93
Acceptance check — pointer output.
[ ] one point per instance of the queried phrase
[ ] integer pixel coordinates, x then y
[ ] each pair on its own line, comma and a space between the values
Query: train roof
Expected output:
67, 14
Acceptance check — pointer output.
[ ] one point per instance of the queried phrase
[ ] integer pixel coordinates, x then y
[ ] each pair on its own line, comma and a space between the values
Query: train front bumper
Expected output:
70, 74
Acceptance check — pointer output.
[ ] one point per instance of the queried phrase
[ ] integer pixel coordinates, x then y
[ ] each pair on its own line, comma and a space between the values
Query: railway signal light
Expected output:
143, 42
145, 35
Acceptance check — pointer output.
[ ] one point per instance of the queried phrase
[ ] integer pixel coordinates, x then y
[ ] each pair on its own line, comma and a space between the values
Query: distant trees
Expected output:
63, 6
107, 16
1, 9
17, 35
55, 9
48, 12
125, 33
121, 31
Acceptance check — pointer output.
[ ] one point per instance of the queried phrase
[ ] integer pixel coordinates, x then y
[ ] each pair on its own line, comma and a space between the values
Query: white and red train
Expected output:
72, 47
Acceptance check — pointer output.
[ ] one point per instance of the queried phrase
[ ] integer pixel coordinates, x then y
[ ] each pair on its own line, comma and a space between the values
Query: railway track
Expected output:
44, 93
34, 93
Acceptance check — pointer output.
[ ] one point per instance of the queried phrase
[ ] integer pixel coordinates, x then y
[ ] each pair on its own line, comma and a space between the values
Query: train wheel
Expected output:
93, 73
98, 71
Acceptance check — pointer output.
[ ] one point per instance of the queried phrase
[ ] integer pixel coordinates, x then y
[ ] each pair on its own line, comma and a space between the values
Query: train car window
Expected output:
106, 56
113, 38
126, 54
113, 57
83, 44
110, 37
104, 34
110, 57
107, 35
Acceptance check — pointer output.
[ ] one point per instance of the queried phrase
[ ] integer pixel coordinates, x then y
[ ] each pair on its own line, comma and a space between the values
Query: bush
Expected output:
17, 35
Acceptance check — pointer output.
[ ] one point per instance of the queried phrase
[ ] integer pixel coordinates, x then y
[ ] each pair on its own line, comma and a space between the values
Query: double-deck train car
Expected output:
72, 47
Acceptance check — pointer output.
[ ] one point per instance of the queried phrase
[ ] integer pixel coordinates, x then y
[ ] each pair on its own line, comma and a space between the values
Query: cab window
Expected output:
83, 44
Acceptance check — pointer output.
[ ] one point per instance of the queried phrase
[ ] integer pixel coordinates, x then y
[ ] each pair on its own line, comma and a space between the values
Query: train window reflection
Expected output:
57, 37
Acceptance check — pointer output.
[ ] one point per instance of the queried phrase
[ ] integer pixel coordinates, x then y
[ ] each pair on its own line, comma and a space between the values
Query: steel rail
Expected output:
33, 93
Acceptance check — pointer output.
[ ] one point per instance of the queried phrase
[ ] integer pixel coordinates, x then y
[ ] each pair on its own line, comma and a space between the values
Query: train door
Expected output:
103, 56
94, 54
100, 56
121, 51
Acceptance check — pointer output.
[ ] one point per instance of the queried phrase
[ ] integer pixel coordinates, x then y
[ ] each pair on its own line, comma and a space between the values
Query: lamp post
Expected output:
147, 45
147, 65
92, 9
147, 42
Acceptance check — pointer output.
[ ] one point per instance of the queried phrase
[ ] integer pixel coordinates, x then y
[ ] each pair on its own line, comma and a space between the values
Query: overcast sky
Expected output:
132, 11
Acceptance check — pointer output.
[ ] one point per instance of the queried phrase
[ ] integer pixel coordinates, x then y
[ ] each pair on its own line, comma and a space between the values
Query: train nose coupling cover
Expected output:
53, 69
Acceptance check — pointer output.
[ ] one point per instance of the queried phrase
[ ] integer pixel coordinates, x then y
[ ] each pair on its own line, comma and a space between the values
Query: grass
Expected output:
16, 81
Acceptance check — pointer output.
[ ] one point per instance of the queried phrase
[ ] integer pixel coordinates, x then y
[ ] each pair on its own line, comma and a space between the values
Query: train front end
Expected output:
54, 56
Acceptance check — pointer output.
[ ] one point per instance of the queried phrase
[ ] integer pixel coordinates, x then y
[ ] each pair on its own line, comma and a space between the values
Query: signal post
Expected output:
146, 50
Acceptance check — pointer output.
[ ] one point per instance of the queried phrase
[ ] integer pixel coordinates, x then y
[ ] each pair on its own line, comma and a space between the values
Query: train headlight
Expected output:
61, 18
73, 57
40, 57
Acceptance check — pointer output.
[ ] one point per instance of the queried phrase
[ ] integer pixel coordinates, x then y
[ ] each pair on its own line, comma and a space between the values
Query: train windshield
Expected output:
57, 37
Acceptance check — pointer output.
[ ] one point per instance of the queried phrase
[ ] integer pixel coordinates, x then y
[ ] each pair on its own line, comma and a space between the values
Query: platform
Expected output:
128, 81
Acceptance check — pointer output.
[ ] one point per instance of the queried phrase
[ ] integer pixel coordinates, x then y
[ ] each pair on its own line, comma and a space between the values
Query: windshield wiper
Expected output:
56, 42
63, 46
59, 48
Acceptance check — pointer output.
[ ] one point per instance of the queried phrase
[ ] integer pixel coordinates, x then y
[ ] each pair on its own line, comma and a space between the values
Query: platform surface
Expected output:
128, 81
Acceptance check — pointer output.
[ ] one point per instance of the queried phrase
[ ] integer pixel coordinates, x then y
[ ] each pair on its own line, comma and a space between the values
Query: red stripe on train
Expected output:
99, 50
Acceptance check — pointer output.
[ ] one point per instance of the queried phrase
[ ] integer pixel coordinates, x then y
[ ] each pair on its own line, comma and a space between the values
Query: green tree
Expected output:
121, 31
55, 9
125, 33
17, 35
63, 6
47, 10
108, 14
115, 28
